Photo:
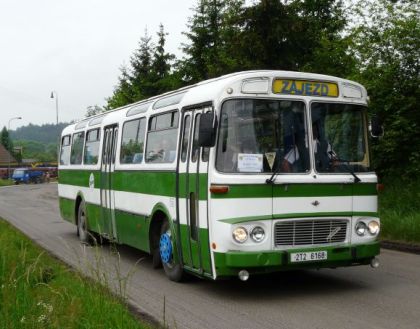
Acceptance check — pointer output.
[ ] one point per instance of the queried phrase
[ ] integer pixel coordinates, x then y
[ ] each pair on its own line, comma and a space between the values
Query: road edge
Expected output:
401, 246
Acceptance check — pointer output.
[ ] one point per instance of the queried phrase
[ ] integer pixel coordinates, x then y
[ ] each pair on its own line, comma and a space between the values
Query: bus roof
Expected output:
215, 88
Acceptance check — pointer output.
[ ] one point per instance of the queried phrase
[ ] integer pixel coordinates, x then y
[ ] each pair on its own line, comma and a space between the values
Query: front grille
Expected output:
310, 232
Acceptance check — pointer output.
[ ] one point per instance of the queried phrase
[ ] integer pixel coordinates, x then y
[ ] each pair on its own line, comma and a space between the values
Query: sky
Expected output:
75, 48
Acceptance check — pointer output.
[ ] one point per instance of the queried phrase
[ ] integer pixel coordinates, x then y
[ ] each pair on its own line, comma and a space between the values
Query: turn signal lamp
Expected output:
219, 189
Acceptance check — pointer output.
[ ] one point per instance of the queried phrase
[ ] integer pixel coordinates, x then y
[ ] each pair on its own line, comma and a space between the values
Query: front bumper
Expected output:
230, 263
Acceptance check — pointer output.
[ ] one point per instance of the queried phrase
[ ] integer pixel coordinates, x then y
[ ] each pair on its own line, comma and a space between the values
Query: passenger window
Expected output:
91, 154
65, 150
162, 138
132, 143
76, 155
185, 138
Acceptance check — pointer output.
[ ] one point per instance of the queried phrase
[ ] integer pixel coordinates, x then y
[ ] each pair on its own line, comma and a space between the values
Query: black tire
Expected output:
156, 261
82, 224
173, 269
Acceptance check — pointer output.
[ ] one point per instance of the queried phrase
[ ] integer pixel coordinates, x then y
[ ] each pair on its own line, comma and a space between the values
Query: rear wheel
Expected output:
171, 265
82, 227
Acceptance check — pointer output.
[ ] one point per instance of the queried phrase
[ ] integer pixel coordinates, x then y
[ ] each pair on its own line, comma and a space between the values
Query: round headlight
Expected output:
240, 234
373, 227
257, 234
361, 228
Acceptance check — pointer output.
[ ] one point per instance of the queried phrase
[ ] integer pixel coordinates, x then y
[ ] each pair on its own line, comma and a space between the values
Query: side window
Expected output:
65, 150
91, 154
195, 147
77, 148
132, 143
185, 138
162, 138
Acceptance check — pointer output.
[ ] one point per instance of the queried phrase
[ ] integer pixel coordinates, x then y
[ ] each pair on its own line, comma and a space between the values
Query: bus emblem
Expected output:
334, 232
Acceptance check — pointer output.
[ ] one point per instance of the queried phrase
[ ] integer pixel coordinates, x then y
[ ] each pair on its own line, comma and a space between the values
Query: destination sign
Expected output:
305, 88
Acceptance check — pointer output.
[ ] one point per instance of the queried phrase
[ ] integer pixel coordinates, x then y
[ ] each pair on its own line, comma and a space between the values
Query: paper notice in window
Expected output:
250, 162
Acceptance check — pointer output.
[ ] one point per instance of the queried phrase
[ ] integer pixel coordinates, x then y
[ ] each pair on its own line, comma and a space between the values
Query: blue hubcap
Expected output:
165, 248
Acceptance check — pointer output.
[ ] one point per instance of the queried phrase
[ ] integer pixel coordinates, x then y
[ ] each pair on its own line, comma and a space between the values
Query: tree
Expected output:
94, 110
123, 93
5, 139
161, 76
296, 35
141, 66
208, 53
387, 44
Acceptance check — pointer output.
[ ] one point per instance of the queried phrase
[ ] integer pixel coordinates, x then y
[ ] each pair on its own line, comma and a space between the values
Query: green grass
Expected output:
6, 182
399, 210
38, 291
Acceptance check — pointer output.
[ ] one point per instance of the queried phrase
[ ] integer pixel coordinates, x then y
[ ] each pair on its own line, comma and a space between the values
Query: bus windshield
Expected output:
340, 137
257, 135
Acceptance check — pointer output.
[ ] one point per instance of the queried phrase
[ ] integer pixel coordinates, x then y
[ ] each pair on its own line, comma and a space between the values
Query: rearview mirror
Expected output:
376, 128
207, 132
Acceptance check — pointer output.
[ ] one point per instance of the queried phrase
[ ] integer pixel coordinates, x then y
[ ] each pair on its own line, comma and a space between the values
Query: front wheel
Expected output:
171, 265
82, 227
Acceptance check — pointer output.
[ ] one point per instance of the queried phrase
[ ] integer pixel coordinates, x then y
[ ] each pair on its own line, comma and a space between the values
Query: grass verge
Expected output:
38, 291
6, 182
399, 210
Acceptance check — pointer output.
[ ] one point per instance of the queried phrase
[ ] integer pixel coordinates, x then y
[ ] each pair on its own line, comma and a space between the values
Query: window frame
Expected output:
83, 132
139, 119
87, 132
176, 113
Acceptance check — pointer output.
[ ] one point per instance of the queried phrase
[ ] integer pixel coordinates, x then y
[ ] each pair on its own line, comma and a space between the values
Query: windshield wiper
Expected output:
275, 173
347, 167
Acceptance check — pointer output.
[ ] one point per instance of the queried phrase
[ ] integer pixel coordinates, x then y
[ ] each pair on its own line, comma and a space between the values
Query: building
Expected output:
5, 158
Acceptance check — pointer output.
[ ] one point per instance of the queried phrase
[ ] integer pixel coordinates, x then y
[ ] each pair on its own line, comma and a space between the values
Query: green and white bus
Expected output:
249, 173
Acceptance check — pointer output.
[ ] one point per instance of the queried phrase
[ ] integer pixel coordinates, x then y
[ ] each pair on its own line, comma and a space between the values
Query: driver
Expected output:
325, 157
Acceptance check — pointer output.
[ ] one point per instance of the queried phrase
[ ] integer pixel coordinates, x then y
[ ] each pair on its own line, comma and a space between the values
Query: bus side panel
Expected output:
136, 194
133, 230
205, 250
94, 217
67, 207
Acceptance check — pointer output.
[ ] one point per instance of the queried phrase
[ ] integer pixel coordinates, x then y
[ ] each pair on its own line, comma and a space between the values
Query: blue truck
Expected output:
27, 175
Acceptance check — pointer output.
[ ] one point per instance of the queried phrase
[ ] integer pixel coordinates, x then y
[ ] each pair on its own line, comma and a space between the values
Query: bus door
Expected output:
192, 193
107, 193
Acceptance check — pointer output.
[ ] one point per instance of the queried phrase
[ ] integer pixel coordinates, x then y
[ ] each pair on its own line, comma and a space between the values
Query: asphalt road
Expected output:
357, 297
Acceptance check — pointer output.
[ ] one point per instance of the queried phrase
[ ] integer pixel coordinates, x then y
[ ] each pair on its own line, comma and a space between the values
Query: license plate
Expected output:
312, 256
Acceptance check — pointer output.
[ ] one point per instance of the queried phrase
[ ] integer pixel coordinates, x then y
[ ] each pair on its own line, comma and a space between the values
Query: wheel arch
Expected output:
79, 199
158, 215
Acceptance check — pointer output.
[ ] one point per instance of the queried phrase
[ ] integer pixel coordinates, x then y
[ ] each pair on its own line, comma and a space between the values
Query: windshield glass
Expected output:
340, 137
262, 136
18, 172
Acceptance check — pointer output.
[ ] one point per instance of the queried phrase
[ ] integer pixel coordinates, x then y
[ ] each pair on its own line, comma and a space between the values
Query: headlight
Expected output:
240, 234
257, 234
373, 227
361, 228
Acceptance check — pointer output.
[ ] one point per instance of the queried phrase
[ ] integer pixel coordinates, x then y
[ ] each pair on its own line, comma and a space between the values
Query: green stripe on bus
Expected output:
238, 220
78, 177
145, 182
296, 190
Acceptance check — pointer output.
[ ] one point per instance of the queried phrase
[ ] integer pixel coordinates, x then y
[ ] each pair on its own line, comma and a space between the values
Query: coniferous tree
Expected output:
162, 78
123, 93
141, 66
289, 35
5, 139
208, 53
